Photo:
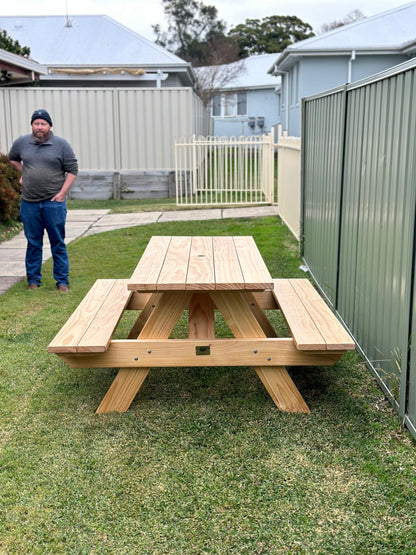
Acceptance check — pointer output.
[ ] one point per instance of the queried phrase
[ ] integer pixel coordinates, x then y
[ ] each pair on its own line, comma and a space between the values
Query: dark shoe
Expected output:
63, 288
33, 286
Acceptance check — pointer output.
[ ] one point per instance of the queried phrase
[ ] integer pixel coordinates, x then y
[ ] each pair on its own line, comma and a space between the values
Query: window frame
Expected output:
230, 103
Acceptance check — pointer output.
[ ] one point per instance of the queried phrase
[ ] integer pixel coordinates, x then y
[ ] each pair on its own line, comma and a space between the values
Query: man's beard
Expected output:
41, 137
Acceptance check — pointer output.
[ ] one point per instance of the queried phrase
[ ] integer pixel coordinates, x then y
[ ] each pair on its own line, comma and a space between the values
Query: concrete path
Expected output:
81, 223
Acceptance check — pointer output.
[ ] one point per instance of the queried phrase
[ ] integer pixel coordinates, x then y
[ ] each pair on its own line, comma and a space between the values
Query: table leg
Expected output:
201, 317
144, 315
123, 390
259, 315
243, 324
159, 325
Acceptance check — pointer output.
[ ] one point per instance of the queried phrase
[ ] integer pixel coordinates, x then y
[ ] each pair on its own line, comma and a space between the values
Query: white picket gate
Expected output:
222, 170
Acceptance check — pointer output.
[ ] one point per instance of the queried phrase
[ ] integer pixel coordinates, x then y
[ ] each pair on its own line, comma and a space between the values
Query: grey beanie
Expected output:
41, 114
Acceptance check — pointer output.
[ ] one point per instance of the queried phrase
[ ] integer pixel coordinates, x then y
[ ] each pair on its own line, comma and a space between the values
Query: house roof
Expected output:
17, 69
88, 41
393, 31
253, 73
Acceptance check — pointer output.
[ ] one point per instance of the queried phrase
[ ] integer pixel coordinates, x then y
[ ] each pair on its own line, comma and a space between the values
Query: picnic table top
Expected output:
201, 263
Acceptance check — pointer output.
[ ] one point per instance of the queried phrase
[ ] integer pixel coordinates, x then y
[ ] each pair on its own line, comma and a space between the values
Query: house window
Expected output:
216, 105
241, 104
229, 104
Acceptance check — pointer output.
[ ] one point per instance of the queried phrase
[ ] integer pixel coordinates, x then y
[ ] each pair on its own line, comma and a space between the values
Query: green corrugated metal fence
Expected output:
359, 198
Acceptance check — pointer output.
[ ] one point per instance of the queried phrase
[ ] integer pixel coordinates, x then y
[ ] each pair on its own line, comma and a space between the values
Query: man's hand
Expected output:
69, 180
60, 197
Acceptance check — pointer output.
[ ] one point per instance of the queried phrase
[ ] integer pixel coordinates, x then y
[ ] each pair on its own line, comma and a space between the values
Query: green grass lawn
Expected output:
203, 462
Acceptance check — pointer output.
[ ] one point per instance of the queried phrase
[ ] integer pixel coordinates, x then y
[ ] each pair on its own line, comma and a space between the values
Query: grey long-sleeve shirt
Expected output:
45, 165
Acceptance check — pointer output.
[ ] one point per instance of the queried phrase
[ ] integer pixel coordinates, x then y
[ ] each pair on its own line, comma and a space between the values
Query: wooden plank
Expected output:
265, 299
228, 274
123, 390
151, 353
67, 339
201, 273
330, 328
166, 313
144, 315
237, 314
146, 273
243, 324
138, 300
201, 317
281, 389
98, 334
302, 327
260, 316
175, 266
255, 273
159, 325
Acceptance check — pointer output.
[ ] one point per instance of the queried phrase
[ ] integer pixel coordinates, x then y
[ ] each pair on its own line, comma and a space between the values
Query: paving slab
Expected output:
8, 281
190, 215
128, 220
14, 268
85, 215
12, 254
17, 242
103, 228
250, 212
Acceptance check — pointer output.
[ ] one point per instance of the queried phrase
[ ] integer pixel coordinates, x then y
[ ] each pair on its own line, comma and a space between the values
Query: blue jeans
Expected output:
36, 217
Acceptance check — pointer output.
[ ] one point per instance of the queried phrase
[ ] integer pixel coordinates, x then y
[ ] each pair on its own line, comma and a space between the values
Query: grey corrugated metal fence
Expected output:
359, 202
109, 129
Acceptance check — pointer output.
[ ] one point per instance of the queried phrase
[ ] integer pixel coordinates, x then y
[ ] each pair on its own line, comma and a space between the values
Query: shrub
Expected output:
9, 190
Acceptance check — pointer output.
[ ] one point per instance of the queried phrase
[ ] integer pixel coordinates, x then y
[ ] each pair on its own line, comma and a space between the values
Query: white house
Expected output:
95, 50
341, 56
246, 103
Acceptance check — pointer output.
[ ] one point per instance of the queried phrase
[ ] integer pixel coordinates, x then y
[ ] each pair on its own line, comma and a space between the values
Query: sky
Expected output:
140, 15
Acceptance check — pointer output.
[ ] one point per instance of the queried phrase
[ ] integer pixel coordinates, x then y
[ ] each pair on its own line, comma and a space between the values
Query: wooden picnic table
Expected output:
200, 275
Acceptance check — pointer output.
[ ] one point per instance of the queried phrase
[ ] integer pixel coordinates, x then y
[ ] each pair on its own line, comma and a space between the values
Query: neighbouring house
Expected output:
121, 100
95, 50
344, 55
244, 98
17, 70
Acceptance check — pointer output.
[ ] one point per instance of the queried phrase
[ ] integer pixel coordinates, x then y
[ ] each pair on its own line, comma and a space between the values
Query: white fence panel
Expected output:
222, 170
289, 181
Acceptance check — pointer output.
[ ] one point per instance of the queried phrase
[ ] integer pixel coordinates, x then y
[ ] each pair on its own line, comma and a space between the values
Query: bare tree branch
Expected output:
211, 79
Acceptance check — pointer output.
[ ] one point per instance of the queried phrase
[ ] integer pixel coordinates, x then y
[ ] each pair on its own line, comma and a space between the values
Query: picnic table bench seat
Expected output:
313, 326
91, 326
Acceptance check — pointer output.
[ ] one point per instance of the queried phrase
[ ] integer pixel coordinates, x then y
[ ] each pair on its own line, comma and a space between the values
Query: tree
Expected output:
7, 43
194, 31
213, 78
269, 35
352, 17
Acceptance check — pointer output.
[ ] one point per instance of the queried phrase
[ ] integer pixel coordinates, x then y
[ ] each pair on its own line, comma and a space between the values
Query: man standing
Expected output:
49, 168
